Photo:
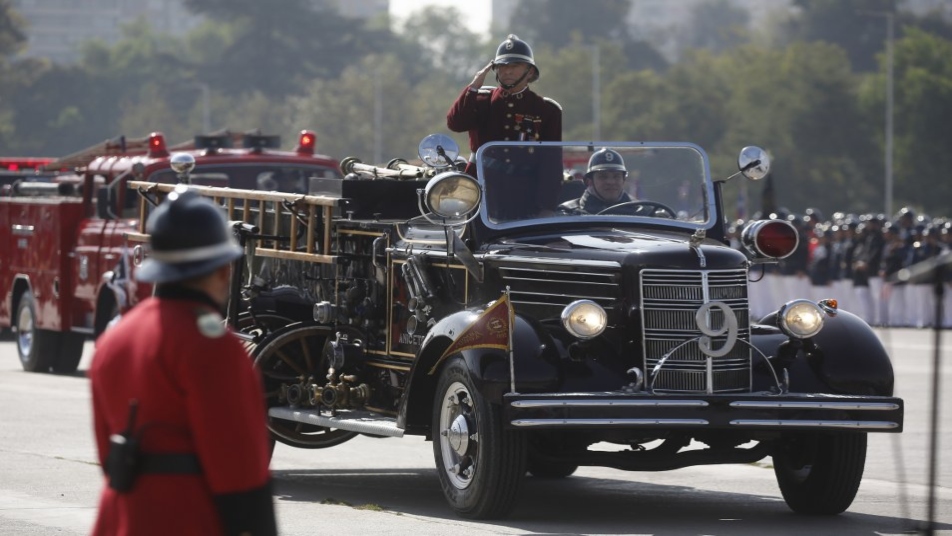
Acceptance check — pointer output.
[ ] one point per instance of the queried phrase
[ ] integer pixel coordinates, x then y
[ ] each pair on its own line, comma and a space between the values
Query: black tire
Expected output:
480, 464
36, 347
272, 442
819, 474
107, 313
544, 469
70, 353
284, 357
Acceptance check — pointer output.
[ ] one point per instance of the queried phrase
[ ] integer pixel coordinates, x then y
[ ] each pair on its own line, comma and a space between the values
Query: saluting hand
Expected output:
480, 76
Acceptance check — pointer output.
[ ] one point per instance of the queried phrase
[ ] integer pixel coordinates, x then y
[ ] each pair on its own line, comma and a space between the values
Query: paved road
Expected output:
49, 480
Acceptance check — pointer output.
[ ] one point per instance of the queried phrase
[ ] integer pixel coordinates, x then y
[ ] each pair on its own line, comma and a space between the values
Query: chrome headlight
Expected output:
584, 319
801, 319
452, 195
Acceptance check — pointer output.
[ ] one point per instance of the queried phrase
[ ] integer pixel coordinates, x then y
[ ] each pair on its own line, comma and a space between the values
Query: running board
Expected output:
363, 422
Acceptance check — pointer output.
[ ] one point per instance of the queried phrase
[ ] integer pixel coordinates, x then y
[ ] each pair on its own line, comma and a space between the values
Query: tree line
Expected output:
807, 84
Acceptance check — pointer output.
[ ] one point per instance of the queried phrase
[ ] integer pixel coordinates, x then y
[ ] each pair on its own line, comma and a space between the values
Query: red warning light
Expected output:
23, 163
306, 142
157, 147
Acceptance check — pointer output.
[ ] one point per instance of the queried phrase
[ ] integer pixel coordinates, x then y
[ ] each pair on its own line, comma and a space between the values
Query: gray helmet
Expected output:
605, 159
515, 50
189, 238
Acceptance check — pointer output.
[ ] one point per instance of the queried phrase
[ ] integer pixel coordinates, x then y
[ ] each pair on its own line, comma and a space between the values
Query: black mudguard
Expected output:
286, 301
536, 366
846, 357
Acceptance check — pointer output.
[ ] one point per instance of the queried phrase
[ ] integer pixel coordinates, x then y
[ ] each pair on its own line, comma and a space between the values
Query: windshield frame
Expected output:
708, 192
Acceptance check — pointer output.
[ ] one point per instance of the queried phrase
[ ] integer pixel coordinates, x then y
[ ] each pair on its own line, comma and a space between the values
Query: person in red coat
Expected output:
178, 415
511, 112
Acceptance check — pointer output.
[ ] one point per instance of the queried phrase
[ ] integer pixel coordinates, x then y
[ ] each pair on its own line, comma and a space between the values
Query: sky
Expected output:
478, 11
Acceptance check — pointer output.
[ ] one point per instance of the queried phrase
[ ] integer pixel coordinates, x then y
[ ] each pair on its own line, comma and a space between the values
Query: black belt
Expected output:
170, 464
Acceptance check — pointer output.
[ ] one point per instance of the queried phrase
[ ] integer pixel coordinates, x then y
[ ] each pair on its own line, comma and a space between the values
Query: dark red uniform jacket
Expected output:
492, 114
197, 393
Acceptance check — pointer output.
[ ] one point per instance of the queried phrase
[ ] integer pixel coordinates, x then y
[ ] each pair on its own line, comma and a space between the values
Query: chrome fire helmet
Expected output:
605, 159
515, 50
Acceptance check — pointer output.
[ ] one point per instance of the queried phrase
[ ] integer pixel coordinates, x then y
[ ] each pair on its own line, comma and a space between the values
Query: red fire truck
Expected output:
65, 270
17, 168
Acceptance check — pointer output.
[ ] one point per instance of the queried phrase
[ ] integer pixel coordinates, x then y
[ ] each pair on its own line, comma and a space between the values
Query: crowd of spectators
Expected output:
857, 259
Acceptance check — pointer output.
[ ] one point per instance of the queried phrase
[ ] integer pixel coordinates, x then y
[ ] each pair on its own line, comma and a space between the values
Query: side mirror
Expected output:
438, 151
753, 163
103, 200
182, 164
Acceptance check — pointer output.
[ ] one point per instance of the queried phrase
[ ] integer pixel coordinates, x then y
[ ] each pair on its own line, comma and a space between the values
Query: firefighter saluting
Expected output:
177, 406
510, 112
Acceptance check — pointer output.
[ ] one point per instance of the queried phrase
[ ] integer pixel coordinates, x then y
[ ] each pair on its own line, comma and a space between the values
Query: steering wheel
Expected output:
641, 208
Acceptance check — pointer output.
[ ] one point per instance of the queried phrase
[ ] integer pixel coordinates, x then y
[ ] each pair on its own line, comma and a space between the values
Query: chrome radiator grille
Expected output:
550, 287
670, 301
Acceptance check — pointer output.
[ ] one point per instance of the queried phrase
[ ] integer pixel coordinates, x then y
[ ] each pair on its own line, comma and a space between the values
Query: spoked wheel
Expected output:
291, 356
820, 473
266, 322
259, 327
481, 466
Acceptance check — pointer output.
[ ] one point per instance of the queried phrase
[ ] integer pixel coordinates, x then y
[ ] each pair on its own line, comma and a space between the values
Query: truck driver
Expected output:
604, 184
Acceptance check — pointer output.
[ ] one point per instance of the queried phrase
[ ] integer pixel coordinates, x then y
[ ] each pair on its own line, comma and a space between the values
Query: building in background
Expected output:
58, 28
362, 9
942, 8
501, 13
655, 20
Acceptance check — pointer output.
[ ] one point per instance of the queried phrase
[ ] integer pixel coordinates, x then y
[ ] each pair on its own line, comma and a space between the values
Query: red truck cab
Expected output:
65, 266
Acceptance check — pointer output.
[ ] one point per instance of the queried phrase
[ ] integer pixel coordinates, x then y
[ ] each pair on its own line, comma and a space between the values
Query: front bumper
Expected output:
739, 412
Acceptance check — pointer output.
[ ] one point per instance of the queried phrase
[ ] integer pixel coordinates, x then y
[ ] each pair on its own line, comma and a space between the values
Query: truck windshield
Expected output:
617, 182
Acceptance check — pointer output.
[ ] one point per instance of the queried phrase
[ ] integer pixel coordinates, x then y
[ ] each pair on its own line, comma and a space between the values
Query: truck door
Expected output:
98, 255
88, 261
6, 252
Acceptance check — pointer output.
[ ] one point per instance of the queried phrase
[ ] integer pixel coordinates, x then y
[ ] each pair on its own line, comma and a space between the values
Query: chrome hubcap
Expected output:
25, 333
458, 435
459, 442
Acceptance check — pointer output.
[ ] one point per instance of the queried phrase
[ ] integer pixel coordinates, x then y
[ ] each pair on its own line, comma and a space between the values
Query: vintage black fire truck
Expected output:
64, 261
522, 335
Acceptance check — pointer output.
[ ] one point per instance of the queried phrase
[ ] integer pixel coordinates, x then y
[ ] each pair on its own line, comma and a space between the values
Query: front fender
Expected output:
846, 357
851, 358
286, 301
535, 364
